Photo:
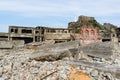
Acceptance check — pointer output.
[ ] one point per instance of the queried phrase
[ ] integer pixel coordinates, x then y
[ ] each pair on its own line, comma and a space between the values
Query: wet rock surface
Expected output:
17, 65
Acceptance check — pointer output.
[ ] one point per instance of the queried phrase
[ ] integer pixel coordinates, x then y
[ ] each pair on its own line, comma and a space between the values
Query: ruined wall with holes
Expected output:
87, 35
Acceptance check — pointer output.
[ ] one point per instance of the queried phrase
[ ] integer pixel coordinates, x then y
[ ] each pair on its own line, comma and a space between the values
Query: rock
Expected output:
82, 56
109, 76
17, 65
94, 73
1, 70
7, 67
1, 78
34, 70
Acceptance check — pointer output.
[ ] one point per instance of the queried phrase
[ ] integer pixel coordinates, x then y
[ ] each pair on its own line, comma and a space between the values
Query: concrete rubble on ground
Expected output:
29, 63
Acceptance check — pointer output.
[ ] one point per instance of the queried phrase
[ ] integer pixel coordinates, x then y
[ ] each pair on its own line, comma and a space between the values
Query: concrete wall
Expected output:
6, 44
4, 36
11, 44
54, 36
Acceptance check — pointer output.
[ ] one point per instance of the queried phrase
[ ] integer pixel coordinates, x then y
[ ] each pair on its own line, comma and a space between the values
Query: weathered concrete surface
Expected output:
55, 51
18, 43
98, 49
39, 45
6, 44
61, 36
99, 66
72, 48
16, 65
115, 70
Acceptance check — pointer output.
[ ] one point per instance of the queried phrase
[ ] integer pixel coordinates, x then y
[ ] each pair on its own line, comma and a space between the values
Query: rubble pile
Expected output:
17, 65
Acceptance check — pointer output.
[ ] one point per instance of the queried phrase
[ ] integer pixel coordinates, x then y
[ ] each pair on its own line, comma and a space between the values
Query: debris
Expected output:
78, 75
48, 62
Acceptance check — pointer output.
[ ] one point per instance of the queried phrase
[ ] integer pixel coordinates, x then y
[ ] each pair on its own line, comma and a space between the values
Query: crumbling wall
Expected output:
6, 44
58, 36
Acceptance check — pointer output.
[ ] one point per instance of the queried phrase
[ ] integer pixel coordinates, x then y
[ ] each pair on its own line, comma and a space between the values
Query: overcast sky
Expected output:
56, 13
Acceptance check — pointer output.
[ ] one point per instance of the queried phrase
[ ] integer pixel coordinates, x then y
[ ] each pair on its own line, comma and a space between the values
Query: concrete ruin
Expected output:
87, 35
118, 34
73, 49
38, 34
6, 44
21, 33
58, 34
4, 36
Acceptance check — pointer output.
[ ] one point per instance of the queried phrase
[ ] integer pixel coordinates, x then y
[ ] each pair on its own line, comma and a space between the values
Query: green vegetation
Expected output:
85, 21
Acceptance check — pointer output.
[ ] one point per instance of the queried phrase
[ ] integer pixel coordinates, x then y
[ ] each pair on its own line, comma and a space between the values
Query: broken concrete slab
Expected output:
72, 48
55, 51
6, 44
18, 43
98, 49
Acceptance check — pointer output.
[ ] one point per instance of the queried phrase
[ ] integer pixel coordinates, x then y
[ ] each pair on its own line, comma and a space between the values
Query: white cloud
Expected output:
64, 8
73, 7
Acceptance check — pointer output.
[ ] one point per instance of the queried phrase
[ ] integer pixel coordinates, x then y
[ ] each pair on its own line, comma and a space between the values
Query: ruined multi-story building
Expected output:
21, 33
36, 34
58, 34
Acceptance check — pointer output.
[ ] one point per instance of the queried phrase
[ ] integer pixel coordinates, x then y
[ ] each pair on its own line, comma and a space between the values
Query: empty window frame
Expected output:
27, 31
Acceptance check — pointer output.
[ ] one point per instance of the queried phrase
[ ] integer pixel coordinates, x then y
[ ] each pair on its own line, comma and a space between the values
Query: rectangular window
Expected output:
16, 30
27, 31
12, 30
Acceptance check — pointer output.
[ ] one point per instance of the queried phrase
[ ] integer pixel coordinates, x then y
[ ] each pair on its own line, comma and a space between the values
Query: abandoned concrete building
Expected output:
4, 36
86, 35
36, 34
113, 36
58, 34
21, 33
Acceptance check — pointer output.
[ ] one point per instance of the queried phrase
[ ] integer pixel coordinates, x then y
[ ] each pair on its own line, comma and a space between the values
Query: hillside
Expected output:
86, 21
